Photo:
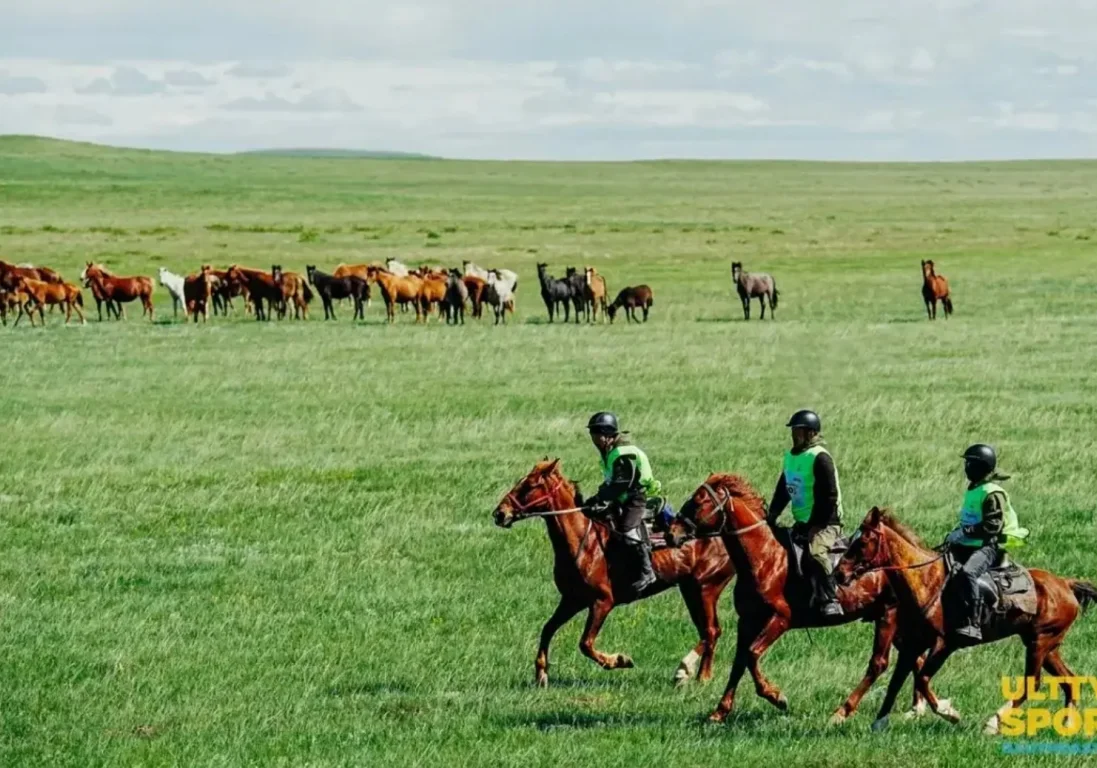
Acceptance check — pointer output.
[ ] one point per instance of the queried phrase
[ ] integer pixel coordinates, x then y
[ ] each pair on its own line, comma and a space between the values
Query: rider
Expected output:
809, 480
988, 524
627, 485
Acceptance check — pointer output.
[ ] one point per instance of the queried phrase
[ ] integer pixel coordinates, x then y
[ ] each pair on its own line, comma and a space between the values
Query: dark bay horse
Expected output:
934, 289
755, 285
632, 298
769, 600
583, 552
918, 577
554, 293
260, 287
579, 298
331, 289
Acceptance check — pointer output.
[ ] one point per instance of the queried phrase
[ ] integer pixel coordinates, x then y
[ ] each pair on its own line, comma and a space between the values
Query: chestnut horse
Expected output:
116, 291
198, 293
475, 287
11, 301
397, 290
918, 576
582, 551
260, 286
934, 288
632, 298
44, 274
768, 599
39, 294
596, 293
294, 288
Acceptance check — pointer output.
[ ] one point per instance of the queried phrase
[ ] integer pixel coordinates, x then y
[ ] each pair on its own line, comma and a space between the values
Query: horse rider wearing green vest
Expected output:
988, 524
809, 484
627, 484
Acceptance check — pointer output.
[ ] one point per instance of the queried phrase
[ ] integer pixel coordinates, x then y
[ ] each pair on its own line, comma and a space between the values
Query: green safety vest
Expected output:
651, 486
800, 482
971, 513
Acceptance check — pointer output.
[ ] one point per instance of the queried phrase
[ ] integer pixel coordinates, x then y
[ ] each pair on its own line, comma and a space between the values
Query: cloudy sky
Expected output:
560, 79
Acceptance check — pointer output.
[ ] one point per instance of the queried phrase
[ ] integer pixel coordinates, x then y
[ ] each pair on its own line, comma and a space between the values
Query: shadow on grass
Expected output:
373, 688
561, 719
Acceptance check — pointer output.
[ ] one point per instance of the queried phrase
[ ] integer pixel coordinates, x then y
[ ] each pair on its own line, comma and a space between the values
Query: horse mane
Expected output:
739, 487
543, 465
888, 518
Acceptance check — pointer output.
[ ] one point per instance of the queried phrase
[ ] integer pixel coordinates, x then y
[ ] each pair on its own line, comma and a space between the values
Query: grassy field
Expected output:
247, 544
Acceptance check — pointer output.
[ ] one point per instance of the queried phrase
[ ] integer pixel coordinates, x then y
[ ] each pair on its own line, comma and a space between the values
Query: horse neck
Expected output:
565, 531
757, 551
919, 583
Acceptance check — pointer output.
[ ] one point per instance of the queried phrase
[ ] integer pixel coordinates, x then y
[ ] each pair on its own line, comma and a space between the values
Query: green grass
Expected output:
270, 544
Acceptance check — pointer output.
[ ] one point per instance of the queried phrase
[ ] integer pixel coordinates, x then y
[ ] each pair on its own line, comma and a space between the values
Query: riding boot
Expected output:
640, 552
829, 606
971, 631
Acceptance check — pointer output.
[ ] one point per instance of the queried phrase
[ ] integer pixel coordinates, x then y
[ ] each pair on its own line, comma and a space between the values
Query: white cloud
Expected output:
922, 61
15, 86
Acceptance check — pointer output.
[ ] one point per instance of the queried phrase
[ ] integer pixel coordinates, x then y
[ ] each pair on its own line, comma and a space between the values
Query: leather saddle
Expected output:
797, 550
1006, 586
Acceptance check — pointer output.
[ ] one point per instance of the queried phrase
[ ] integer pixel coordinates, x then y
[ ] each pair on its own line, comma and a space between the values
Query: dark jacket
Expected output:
824, 505
624, 479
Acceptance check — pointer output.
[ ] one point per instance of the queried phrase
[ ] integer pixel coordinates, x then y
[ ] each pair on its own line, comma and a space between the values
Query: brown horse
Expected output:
261, 287
397, 290
224, 290
768, 598
755, 285
117, 291
632, 298
43, 274
40, 294
934, 288
583, 559
433, 291
295, 288
475, 286
918, 576
198, 293
597, 293
11, 301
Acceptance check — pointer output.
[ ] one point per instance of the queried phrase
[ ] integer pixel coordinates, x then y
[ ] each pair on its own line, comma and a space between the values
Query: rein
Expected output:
522, 511
720, 507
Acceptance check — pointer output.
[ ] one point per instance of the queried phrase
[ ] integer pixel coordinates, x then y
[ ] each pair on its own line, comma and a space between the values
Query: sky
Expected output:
560, 79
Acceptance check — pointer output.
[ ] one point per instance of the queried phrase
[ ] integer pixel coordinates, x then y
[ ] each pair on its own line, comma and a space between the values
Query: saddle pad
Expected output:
1016, 589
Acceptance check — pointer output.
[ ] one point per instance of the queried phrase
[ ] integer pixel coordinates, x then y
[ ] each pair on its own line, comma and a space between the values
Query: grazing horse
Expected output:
584, 554
397, 290
175, 284
597, 293
934, 289
918, 576
632, 298
475, 287
554, 293
755, 284
457, 293
198, 293
334, 288
38, 294
118, 291
261, 287
768, 598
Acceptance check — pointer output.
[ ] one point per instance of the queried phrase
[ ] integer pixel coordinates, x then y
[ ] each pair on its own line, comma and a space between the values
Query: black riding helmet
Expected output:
983, 455
805, 420
603, 423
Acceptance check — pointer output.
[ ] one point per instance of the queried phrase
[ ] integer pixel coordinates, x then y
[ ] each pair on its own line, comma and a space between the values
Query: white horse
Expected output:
499, 292
474, 270
174, 284
396, 268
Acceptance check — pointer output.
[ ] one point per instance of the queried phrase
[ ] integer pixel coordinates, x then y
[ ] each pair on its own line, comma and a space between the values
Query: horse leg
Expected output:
1037, 650
908, 656
762, 303
564, 613
877, 665
771, 632
702, 610
595, 618
746, 632
645, 313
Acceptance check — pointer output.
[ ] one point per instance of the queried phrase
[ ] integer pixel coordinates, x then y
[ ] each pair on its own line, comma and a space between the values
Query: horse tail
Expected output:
306, 292
1084, 592
774, 295
947, 301
80, 298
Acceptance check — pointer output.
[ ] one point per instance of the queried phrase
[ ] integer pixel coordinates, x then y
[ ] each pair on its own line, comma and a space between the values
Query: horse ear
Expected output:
874, 517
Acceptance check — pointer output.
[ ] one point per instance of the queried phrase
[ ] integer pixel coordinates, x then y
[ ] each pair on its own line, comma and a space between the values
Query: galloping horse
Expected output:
934, 288
116, 291
769, 600
918, 576
583, 553
751, 285
39, 294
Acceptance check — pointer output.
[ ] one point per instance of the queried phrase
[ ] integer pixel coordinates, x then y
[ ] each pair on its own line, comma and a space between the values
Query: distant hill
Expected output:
328, 153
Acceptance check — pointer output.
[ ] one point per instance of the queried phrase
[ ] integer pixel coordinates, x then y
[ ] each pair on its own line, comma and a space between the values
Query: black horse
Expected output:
580, 297
555, 292
331, 288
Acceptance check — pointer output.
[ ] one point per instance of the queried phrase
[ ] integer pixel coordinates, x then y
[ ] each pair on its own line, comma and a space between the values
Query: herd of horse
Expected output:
888, 577
25, 288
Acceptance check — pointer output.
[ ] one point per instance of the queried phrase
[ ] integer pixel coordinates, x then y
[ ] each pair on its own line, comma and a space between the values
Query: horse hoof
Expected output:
837, 718
992, 727
541, 680
880, 724
917, 711
623, 662
947, 712
781, 703
681, 679
718, 717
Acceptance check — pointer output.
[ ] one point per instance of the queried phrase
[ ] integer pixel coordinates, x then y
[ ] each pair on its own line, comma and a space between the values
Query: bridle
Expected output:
883, 556
724, 528
525, 511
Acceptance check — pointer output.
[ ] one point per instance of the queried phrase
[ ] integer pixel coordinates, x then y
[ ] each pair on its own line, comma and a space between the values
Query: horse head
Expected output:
538, 491
310, 270
736, 270
928, 268
724, 504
